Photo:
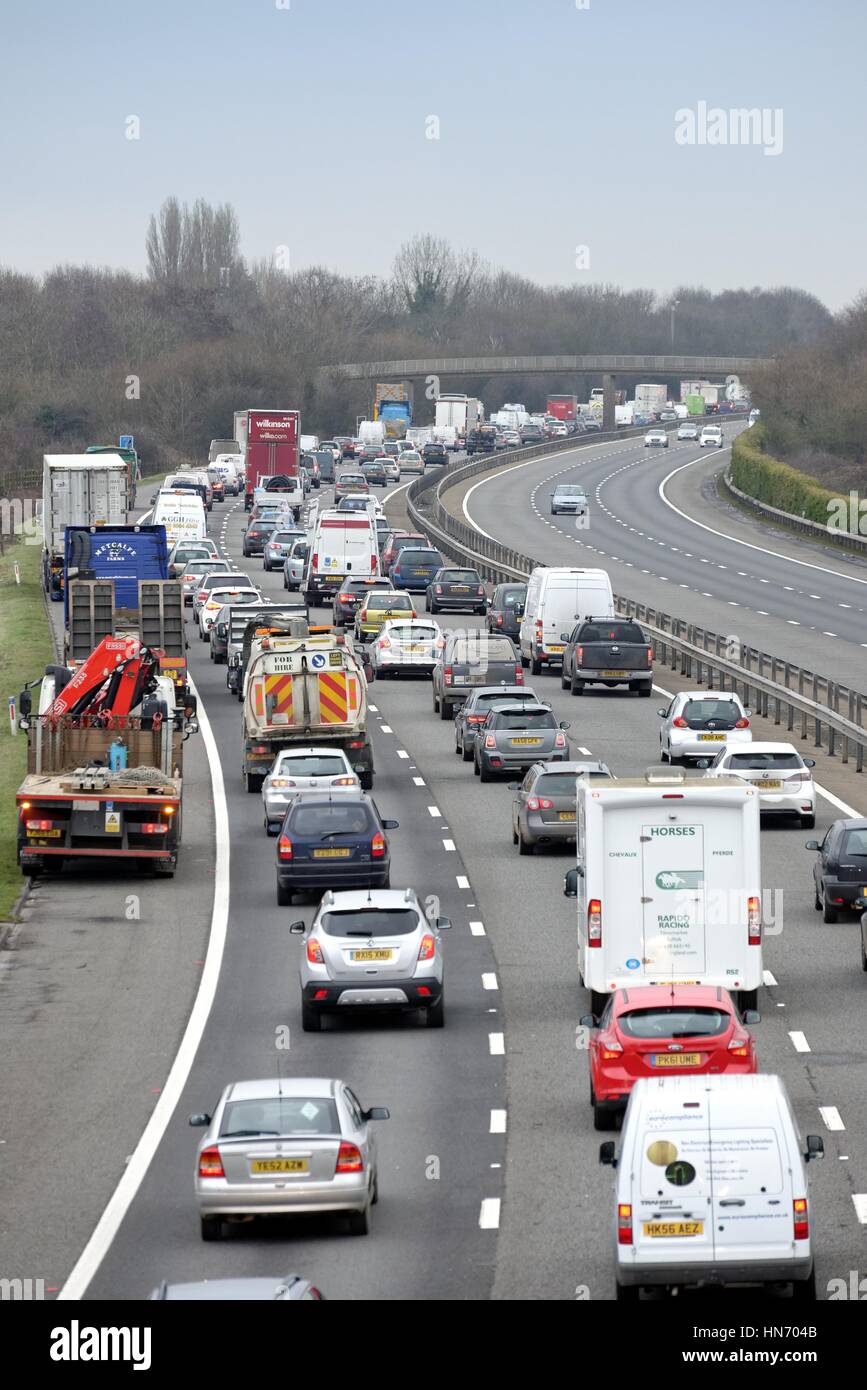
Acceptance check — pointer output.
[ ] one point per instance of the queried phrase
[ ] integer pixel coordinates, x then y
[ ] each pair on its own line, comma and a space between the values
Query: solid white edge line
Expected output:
735, 540
860, 1202
497, 1044
489, 1216
498, 1122
97, 1247
489, 980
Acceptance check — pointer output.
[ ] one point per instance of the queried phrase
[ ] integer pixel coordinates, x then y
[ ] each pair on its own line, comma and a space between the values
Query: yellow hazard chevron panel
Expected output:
278, 694
333, 704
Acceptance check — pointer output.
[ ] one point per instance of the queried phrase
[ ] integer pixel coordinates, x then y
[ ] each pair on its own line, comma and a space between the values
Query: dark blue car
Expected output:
332, 842
414, 569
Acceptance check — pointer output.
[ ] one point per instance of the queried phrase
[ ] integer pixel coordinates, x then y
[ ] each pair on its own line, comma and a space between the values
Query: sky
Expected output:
556, 152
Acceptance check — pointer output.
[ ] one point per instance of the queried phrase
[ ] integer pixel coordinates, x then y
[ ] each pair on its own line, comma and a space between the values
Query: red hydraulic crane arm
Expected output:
121, 665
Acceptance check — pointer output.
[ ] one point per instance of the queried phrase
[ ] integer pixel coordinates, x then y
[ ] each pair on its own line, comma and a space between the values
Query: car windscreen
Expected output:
674, 1021
460, 577
277, 1115
570, 492
556, 784
757, 761
523, 719
611, 632
511, 598
854, 843
403, 632
398, 602
725, 710
429, 559
222, 580
318, 821
207, 566
373, 921
310, 765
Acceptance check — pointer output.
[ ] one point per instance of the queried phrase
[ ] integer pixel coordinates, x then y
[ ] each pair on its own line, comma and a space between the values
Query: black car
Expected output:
452, 589
482, 440
532, 434
374, 472
840, 868
255, 536
435, 454
507, 609
332, 842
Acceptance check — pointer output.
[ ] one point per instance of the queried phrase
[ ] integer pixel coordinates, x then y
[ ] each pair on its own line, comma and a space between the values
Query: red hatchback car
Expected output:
655, 1030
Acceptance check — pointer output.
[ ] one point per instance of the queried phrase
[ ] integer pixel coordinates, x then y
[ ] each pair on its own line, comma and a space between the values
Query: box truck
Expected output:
78, 490
272, 448
650, 398
668, 884
562, 407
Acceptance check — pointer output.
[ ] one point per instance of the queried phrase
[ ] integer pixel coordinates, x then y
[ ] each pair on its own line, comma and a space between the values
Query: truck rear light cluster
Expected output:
754, 921
579, 655
519, 675
447, 675
624, 1224
801, 1218
594, 922
153, 828
34, 825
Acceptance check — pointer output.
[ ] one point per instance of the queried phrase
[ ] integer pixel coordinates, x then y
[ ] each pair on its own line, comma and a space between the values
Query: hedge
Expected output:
768, 480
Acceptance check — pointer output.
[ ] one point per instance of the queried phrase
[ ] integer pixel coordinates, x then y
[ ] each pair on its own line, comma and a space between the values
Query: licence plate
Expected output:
566, 815
769, 785
555, 649
415, 649
677, 1059
279, 1165
711, 738
460, 589
331, 853
615, 673
419, 571
371, 955
46, 834
655, 1229
532, 742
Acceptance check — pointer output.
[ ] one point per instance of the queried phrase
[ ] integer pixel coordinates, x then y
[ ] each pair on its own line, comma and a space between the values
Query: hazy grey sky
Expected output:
556, 131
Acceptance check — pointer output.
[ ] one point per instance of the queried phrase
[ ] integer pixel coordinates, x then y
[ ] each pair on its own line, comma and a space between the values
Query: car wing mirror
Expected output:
589, 1021
391, 825
751, 1017
570, 884
514, 787
662, 713
565, 724
297, 928
200, 1121
815, 1148
443, 923
606, 1154
703, 762
812, 844
376, 1112
809, 762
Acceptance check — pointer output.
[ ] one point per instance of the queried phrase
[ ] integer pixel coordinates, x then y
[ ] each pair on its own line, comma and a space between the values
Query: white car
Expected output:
298, 770
408, 644
778, 772
216, 578
688, 432
711, 437
411, 461
195, 571
216, 598
392, 468
698, 722
656, 439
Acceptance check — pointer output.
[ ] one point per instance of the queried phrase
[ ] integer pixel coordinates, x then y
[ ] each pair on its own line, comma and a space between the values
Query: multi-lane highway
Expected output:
490, 1185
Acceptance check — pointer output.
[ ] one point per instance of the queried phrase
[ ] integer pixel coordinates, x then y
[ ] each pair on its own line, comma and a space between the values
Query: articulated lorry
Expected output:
303, 690
104, 762
78, 490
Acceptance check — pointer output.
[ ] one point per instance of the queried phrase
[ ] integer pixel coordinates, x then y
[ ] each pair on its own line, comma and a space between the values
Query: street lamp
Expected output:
674, 305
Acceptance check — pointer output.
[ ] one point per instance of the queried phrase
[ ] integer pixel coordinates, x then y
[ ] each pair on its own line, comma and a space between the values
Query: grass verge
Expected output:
25, 651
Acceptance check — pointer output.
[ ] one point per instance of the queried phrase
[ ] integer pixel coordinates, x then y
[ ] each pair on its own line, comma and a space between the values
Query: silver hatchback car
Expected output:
298, 770
544, 809
371, 950
286, 1146
515, 736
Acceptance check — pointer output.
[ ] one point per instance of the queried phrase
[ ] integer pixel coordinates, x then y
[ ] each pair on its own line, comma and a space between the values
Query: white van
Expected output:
557, 599
182, 512
344, 543
668, 884
711, 1186
308, 442
229, 466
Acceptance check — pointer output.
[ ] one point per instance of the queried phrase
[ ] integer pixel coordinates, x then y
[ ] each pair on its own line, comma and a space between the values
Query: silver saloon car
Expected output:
544, 809
286, 1146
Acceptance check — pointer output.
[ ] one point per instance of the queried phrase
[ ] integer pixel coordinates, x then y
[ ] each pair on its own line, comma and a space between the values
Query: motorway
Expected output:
490, 1185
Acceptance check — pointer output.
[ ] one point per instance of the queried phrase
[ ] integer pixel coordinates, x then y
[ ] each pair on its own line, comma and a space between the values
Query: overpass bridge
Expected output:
609, 366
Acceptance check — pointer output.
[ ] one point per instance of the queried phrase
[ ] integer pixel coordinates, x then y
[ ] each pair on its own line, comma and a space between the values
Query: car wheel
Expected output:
536, 666
514, 834
829, 913
747, 999
467, 753
598, 1002
484, 774
211, 1227
602, 1119
565, 680
359, 1223
458, 748
436, 703
817, 901
645, 690
445, 710
804, 1290
436, 1014
284, 895
366, 780
808, 822
476, 772
311, 1019
375, 1194
576, 687
524, 662
525, 846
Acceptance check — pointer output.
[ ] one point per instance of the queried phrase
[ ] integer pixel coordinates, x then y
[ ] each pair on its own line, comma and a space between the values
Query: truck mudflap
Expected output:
81, 826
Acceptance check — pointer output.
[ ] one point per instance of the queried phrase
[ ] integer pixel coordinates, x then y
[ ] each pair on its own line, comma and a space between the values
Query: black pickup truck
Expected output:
607, 651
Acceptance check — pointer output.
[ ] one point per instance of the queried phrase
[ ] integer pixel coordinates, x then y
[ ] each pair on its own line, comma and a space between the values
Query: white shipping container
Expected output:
82, 490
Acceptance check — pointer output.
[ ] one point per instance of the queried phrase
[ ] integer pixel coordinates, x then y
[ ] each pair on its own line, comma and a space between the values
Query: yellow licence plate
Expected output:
711, 738
769, 786
531, 741
331, 853
655, 1229
46, 834
615, 673
279, 1165
555, 649
677, 1059
460, 589
415, 649
371, 955
566, 815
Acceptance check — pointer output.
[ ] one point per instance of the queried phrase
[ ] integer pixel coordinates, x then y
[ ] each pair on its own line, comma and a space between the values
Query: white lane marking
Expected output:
735, 540
489, 980
402, 753
434, 811
136, 1170
449, 845
769, 979
386, 729
497, 1044
799, 1042
373, 709
489, 1217
477, 928
462, 881
585, 751
860, 1200
831, 1117
419, 781
498, 1122
835, 801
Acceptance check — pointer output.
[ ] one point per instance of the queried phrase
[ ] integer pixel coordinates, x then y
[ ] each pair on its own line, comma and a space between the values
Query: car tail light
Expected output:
447, 675
314, 952
476, 718
539, 629
738, 1048
539, 803
211, 1164
801, 1218
438, 588
39, 824
680, 723
349, 1159
594, 922
384, 642
742, 724
609, 1050
490, 741
481, 590
499, 619
579, 655
427, 949
284, 847
624, 1223
412, 613
357, 743
153, 828
202, 594
650, 656
799, 777
560, 739
315, 561
519, 675
259, 748
377, 845
754, 922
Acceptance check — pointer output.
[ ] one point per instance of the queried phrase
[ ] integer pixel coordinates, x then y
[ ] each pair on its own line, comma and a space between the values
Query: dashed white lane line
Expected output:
419, 781
498, 1121
373, 709
477, 928
799, 1042
386, 729
462, 881
497, 1044
831, 1117
449, 845
860, 1201
489, 1217
585, 751
769, 979
489, 980
434, 811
